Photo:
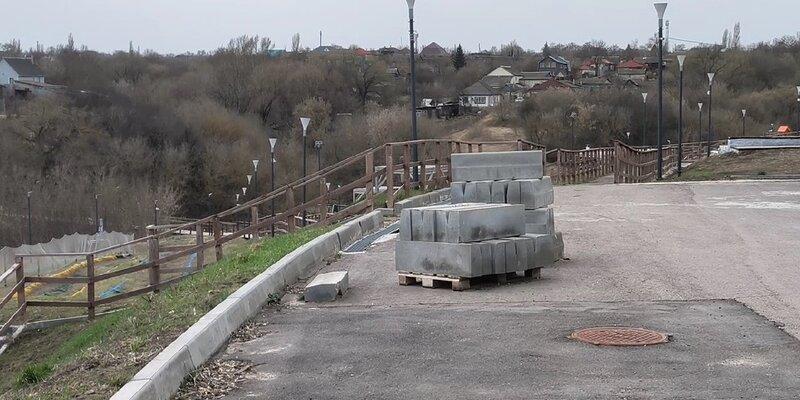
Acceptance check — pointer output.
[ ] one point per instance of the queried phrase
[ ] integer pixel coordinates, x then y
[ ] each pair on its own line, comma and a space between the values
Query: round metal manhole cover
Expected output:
619, 336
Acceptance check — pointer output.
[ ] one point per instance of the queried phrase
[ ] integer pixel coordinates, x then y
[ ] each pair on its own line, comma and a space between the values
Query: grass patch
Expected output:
747, 164
92, 360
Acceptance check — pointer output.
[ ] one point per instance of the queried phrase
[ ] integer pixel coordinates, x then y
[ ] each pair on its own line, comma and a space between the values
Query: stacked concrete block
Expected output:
468, 167
511, 178
465, 240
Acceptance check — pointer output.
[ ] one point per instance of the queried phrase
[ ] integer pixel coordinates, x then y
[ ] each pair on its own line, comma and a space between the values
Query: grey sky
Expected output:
176, 26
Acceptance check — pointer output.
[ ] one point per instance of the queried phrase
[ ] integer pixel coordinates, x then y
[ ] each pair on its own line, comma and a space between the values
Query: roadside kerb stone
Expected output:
497, 166
540, 221
532, 193
462, 223
435, 196
325, 287
163, 375
455, 259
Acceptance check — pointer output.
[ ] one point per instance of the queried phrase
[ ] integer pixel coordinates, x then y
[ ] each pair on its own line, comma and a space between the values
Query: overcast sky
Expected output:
177, 26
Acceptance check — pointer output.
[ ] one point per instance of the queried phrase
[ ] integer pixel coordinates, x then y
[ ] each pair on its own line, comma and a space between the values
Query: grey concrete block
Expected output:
536, 193
559, 243
454, 259
325, 287
371, 222
499, 192
348, 234
525, 252
540, 221
497, 165
135, 390
462, 223
457, 192
166, 371
546, 250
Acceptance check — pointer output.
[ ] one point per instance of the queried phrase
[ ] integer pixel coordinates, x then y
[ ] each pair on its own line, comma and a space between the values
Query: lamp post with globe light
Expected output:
644, 117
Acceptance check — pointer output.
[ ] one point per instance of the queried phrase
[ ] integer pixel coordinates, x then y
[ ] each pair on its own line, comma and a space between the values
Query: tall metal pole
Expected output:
744, 121
660, 7
304, 121
414, 156
700, 122
96, 214
255, 177
30, 224
710, 122
272, 143
681, 59
644, 118
797, 127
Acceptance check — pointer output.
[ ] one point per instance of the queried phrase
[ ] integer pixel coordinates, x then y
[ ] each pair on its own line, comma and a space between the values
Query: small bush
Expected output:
34, 374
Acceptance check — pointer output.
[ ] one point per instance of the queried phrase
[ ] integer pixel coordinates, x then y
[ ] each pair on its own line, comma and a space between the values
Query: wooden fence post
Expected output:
154, 255
519, 145
368, 188
20, 275
199, 260
448, 161
480, 147
323, 201
290, 220
388, 150
407, 169
559, 179
437, 162
423, 171
254, 221
469, 147
90, 285
217, 228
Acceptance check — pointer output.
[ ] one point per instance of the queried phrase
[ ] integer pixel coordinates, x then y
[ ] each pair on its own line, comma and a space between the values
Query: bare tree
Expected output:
296, 42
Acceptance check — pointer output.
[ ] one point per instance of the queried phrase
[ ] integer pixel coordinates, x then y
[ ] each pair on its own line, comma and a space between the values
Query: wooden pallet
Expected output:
456, 283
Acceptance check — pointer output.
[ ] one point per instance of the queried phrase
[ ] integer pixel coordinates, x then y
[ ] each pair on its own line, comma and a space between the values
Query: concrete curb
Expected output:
162, 376
433, 197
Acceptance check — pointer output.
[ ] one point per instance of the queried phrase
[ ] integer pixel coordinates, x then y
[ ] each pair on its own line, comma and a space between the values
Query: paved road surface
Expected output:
631, 247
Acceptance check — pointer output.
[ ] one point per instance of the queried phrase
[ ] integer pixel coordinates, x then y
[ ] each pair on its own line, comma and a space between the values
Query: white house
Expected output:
19, 69
480, 95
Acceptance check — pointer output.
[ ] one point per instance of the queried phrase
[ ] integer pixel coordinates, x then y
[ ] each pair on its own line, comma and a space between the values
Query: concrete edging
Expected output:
425, 199
163, 375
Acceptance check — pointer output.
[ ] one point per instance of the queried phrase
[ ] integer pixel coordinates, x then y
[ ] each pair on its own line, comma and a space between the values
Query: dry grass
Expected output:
745, 165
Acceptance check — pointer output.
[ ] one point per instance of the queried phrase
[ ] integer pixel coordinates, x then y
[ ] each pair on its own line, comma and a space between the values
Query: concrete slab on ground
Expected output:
719, 349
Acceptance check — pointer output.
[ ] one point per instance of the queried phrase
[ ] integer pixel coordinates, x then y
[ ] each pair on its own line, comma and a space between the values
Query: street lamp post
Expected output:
155, 212
744, 119
628, 134
96, 213
681, 60
572, 118
644, 117
710, 122
661, 8
255, 177
318, 147
700, 122
414, 155
272, 143
797, 128
304, 121
30, 224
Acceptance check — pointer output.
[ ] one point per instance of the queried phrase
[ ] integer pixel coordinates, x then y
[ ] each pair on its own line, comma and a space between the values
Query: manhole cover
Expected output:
619, 336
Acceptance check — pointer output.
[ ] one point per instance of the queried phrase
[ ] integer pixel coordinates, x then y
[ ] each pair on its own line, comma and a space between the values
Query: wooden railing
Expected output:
579, 166
255, 218
636, 165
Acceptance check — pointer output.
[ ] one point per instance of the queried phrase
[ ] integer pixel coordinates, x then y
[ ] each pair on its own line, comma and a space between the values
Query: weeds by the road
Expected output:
92, 360
749, 164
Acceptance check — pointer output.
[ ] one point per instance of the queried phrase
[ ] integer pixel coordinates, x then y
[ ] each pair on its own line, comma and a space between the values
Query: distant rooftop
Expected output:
24, 67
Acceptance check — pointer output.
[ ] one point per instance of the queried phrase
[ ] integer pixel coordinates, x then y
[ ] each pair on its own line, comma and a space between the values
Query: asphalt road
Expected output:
630, 249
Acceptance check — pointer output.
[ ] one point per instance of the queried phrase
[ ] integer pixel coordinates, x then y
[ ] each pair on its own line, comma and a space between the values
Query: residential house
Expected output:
433, 50
531, 79
328, 49
632, 70
557, 65
504, 72
553, 84
19, 69
480, 95
597, 67
595, 83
